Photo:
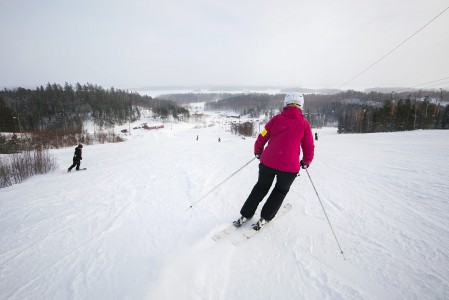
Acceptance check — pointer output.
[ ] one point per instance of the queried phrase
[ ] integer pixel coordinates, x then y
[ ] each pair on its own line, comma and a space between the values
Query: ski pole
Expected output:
319, 199
194, 203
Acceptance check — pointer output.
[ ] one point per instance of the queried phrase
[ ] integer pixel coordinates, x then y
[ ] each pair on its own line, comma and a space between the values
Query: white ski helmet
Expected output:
294, 98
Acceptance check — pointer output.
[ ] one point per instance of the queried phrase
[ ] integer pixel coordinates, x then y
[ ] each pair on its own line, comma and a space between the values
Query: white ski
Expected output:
249, 232
227, 231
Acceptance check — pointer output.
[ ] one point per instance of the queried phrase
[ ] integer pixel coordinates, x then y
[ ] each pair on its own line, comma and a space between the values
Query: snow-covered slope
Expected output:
123, 230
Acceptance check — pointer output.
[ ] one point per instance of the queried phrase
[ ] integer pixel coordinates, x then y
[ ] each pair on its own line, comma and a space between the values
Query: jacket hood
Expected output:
292, 112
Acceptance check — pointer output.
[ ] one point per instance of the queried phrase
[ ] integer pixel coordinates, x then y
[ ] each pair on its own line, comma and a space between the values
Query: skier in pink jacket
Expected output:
286, 133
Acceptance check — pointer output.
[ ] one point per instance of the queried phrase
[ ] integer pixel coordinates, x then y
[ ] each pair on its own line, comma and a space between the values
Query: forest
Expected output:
54, 116
400, 114
353, 111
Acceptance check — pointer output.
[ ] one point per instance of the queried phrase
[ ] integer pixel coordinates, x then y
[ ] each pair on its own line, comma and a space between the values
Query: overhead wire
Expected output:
439, 84
392, 50
425, 85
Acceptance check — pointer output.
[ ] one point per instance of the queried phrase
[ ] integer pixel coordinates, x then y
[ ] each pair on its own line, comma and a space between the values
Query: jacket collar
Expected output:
292, 112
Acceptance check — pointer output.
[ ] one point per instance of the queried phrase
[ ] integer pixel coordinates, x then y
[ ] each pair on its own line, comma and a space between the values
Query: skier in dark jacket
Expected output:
77, 157
286, 133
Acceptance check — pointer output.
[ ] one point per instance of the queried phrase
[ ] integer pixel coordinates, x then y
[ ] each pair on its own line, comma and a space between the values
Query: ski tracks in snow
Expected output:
199, 271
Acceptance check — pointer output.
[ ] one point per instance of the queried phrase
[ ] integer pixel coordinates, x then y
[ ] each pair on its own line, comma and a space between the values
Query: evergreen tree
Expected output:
444, 123
8, 123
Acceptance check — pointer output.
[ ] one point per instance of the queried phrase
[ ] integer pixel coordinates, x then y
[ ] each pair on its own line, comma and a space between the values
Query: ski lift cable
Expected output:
392, 50
425, 85
433, 81
438, 84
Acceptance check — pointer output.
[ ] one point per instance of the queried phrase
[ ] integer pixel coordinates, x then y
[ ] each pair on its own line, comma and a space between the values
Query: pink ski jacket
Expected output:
286, 133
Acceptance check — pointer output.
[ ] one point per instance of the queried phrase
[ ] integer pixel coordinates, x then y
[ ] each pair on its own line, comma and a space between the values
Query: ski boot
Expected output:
262, 222
240, 221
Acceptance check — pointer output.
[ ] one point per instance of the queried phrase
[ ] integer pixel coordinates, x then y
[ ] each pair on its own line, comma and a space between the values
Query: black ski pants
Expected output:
266, 176
77, 163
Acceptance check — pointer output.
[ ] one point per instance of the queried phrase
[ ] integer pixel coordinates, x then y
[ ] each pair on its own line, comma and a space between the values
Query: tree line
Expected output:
395, 115
253, 104
66, 107
56, 111
352, 111
62, 110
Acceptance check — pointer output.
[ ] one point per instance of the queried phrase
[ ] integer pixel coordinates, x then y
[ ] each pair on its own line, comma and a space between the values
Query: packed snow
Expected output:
124, 229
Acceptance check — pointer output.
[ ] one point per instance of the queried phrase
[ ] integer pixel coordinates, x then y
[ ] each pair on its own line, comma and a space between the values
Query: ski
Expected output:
250, 232
227, 231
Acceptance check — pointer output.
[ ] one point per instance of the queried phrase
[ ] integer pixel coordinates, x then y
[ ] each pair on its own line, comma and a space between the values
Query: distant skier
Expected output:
316, 136
77, 157
219, 140
287, 133
197, 137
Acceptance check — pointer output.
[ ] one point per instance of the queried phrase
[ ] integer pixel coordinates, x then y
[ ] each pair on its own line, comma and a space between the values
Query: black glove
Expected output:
257, 155
303, 165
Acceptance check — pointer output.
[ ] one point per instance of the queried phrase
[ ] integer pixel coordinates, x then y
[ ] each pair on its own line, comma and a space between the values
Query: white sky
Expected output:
283, 43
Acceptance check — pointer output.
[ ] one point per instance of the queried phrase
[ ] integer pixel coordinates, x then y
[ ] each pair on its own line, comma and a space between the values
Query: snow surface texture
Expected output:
123, 230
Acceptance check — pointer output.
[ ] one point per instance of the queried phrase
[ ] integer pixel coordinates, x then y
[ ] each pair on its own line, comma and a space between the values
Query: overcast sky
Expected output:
282, 43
